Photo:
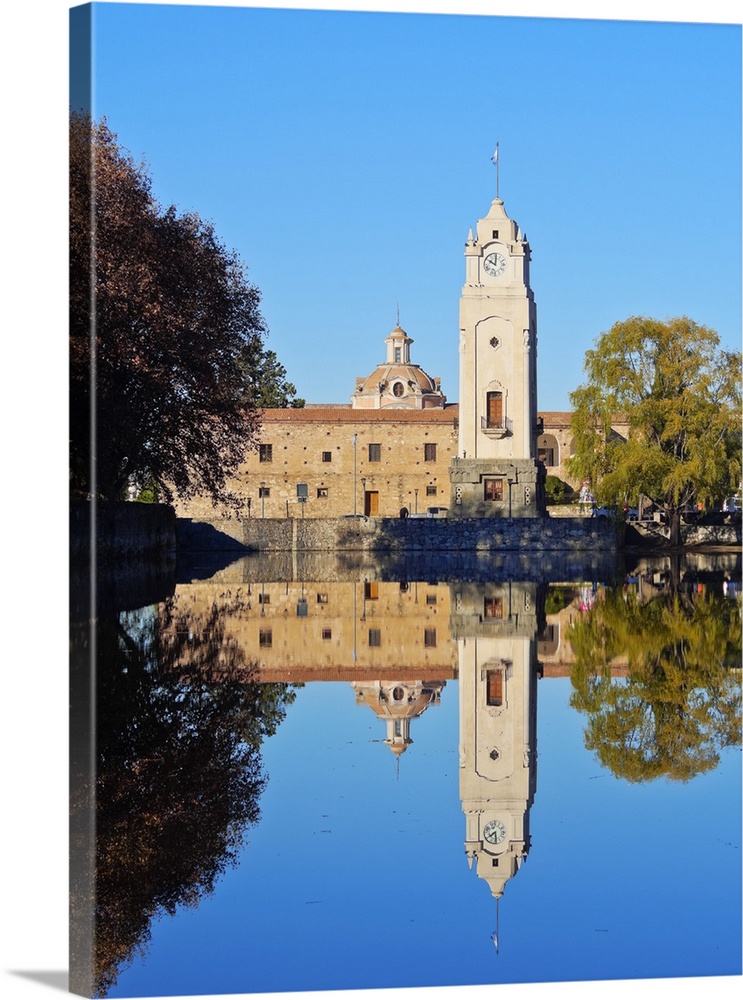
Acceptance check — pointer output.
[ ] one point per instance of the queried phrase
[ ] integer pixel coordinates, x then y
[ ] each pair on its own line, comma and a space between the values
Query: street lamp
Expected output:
416, 500
363, 491
263, 499
354, 474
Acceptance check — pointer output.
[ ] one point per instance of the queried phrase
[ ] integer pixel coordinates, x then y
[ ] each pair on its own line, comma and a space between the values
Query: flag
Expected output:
495, 155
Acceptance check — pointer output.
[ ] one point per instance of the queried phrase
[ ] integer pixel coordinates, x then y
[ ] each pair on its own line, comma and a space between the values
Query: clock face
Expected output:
494, 831
494, 264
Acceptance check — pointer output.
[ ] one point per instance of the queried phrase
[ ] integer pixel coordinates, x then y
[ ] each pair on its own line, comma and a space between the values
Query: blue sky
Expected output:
345, 154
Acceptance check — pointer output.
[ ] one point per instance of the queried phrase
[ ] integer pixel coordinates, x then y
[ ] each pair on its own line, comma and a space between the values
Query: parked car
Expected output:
437, 511
732, 505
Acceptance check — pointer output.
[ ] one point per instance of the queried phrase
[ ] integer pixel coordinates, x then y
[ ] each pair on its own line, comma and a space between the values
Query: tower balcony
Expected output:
501, 429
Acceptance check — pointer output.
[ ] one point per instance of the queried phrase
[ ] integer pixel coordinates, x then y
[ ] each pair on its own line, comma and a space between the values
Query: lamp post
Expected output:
363, 491
354, 475
263, 499
416, 500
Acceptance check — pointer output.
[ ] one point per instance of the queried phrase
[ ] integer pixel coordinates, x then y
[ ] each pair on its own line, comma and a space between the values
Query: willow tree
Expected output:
680, 394
166, 335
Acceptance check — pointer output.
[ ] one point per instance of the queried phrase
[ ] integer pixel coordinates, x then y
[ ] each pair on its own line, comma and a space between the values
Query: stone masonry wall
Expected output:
401, 535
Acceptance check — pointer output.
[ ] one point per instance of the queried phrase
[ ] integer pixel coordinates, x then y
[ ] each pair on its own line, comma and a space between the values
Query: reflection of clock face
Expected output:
494, 831
495, 264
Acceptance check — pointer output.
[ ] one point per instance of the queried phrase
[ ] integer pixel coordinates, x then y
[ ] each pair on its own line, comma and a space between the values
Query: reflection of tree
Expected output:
180, 720
680, 704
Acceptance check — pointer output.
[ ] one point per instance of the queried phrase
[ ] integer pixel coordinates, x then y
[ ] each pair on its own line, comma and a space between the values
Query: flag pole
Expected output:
496, 159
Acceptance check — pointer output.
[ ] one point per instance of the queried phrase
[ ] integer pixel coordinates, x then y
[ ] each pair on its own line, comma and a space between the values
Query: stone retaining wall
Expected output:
399, 535
121, 530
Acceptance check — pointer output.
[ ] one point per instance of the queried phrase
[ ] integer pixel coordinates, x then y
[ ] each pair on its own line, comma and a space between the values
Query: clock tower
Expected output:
495, 626
496, 472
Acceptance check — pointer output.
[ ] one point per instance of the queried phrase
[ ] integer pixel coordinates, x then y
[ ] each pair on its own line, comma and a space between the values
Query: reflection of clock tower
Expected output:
496, 473
495, 626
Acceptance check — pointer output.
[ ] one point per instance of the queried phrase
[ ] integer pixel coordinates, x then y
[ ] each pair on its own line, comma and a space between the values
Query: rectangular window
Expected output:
429, 638
429, 452
264, 598
264, 491
495, 409
265, 638
371, 590
495, 688
546, 455
375, 637
322, 598
327, 633
431, 599
431, 491
493, 489
493, 607
327, 456
322, 491
375, 452
265, 452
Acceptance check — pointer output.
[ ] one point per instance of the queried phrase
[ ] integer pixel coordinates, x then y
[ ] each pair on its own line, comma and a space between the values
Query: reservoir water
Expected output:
329, 775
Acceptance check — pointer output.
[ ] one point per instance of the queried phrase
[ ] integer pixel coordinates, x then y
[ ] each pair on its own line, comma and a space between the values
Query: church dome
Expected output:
398, 383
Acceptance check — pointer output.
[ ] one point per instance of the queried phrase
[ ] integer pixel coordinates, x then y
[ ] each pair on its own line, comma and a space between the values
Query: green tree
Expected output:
267, 386
680, 393
680, 703
166, 336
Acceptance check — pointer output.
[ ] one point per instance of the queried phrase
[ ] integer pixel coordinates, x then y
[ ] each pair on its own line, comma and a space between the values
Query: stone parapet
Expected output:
526, 536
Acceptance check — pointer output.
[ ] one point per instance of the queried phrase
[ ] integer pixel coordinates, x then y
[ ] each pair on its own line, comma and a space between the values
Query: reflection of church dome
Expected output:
397, 702
398, 384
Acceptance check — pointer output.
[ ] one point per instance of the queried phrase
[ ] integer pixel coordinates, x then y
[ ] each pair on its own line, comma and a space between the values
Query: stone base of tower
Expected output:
496, 488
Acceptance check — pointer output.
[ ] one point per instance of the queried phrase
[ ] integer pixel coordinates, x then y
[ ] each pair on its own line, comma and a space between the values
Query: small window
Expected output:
398, 389
493, 489
264, 598
429, 452
375, 452
327, 633
493, 607
265, 638
322, 598
327, 456
431, 599
371, 590
431, 491
429, 638
322, 491
264, 491
398, 356
375, 637
398, 694
495, 234
265, 452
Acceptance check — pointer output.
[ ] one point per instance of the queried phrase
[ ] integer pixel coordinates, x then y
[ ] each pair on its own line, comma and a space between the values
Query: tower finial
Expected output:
398, 313
495, 159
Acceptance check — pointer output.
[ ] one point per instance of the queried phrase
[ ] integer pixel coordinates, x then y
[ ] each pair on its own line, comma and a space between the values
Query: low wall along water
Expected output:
399, 535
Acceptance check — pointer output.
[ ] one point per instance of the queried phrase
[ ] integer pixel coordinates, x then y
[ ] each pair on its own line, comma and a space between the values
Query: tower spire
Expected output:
495, 159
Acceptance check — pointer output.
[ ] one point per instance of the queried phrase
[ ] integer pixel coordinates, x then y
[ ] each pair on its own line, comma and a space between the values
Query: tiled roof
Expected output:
349, 415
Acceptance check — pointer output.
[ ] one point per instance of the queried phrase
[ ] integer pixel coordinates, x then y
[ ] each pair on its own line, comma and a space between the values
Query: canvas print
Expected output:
405, 547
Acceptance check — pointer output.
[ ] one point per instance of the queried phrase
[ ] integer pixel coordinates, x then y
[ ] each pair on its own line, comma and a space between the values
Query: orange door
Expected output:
371, 503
